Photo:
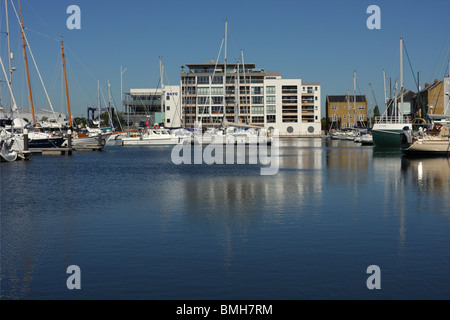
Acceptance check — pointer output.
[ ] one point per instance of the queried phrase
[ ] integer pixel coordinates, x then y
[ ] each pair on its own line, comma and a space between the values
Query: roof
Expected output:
343, 98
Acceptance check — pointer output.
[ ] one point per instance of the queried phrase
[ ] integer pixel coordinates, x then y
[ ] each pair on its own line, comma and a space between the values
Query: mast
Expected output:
9, 48
245, 87
401, 81
98, 102
65, 80
24, 42
236, 95
385, 90
348, 111
370, 103
354, 99
225, 73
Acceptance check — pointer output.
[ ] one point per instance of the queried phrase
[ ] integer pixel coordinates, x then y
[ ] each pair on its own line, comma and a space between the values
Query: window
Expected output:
167, 97
333, 117
271, 109
271, 118
217, 100
333, 107
168, 120
258, 110
316, 98
202, 80
217, 80
270, 90
203, 100
361, 107
270, 99
257, 90
217, 90
168, 108
257, 100
345, 116
290, 129
257, 119
203, 91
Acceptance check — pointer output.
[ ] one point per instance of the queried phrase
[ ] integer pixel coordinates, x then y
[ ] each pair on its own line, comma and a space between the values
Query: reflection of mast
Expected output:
65, 80
26, 65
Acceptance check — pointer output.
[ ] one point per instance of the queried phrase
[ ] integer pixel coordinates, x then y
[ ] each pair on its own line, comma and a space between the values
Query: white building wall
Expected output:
173, 110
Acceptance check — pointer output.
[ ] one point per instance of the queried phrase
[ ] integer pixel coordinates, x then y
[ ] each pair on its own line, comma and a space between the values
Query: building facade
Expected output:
344, 111
249, 96
153, 106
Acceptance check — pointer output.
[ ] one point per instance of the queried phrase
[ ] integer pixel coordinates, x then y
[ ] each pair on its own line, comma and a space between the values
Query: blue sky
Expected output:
317, 41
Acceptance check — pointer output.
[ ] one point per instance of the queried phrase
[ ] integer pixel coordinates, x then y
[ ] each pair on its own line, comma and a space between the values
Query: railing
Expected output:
392, 119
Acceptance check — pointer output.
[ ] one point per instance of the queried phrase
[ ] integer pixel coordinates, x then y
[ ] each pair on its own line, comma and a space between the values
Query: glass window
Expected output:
270, 99
270, 90
203, 90
271, 109
271, 118
257, 100
257, 90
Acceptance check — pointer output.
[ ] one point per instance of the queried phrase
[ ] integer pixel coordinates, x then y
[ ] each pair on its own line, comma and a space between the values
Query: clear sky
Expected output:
317, 41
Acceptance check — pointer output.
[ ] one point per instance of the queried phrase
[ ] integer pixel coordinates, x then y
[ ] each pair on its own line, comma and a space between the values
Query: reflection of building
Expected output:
249, 96
344, 112
153, 106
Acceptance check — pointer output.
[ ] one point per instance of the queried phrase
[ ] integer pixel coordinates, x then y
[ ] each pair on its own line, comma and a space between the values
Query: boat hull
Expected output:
428, 148
150, 141
388, 135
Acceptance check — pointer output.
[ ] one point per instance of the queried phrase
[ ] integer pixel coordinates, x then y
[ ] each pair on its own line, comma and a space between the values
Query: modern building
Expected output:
153, 106
344, 111
250, 96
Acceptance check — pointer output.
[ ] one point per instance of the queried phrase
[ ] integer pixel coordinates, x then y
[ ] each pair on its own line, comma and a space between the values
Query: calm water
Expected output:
140, 227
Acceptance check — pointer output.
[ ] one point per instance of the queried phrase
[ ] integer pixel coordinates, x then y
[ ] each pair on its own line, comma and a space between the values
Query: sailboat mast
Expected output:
99, 103
65, 80
225, 73
354, 99
401, 81
370, 103
9, 47
24, 42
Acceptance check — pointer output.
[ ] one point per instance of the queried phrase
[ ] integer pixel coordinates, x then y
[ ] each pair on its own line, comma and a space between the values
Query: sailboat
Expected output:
7, 154
434, 142
36, 139
81, 141
388, 130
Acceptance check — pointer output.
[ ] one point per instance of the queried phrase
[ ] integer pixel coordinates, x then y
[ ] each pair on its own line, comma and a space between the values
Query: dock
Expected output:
51, 151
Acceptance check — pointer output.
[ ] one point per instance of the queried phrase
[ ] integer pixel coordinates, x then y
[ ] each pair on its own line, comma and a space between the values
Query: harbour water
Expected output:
141, 227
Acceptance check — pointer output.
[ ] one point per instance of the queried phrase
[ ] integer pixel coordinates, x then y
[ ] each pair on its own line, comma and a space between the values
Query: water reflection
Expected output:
427, 174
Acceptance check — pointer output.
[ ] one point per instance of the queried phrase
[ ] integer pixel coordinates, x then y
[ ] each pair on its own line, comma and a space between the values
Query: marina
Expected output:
205, 172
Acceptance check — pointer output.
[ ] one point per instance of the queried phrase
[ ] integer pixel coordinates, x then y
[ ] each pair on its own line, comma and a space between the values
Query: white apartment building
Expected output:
248, 95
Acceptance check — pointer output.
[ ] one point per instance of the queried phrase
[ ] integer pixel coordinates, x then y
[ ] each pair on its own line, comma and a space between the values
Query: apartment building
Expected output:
250, 96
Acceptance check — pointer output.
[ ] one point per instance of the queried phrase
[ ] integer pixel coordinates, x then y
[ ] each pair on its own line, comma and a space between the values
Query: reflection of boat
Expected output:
426, 144
428, 173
